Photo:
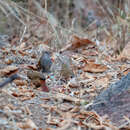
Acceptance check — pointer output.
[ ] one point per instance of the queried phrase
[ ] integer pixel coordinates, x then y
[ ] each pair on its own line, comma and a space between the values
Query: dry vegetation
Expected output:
89, 48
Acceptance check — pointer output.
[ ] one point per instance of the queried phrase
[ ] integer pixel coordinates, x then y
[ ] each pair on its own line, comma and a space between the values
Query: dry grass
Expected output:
36, 13
44, 23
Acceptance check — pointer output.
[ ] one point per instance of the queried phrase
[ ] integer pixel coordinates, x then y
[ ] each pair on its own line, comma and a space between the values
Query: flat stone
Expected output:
114, 101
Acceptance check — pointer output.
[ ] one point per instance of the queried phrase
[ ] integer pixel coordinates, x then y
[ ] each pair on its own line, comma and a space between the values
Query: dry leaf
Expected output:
29, 124
8, 61
25, 98
77, 43
15, 94
22, 52
125, 72
33, 67
65, 107
87, 75
20, 82
94, 68
67, 98
102, 81
8, 70
125, 69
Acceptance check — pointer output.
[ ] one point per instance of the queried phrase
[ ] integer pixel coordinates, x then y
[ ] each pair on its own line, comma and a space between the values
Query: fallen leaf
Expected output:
8, 70
8, 61
102, 81
24, 94
33, 67
67, 98
125, 72
15, 94
20, 82
25, 98
87, 75
94, 68
77, 43
66, 107
29, 124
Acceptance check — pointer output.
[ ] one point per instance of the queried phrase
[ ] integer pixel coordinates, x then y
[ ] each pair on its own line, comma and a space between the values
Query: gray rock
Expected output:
114, 101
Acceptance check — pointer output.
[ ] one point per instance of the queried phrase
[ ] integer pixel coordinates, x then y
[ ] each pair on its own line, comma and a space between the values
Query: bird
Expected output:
45, 62
38, 79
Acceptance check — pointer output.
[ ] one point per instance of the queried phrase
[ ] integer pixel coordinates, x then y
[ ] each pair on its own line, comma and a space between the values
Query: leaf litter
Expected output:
80, 73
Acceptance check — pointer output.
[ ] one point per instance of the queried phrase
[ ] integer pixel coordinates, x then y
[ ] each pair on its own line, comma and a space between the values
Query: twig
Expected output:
9, 80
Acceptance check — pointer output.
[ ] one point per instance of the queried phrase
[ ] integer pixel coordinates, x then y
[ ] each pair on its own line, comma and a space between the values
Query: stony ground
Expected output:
93, 69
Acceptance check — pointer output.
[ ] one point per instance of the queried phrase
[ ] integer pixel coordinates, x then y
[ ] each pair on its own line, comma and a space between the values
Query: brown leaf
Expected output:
15, 94
25, 98
95, 68
65, 107
33, 67
102, 81
8, 70
67, 98
29, 124
125, 72
20, 82
77, 43
8, 61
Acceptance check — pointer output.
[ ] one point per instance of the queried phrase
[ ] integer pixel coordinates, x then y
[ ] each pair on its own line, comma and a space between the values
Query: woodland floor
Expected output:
94, 68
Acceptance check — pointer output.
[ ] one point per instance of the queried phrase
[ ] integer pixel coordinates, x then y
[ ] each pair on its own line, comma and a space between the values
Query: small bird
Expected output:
45, 62
38, 79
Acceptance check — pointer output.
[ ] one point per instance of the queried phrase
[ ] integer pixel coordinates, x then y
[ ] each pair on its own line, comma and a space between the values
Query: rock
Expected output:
114, 101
